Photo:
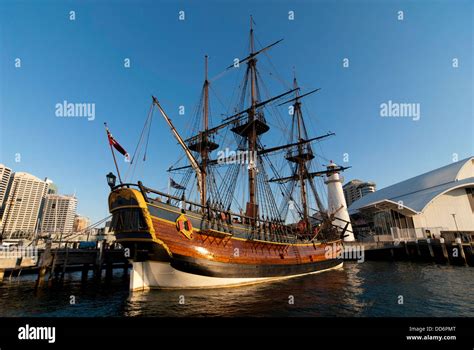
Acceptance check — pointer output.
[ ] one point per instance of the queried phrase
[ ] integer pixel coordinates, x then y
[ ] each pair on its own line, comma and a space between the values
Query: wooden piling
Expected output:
125, 270
53, 267
109, 272
418, 251
63, 272
41, 274
469, 252
430, 248
456, 252
43, 264
98, 262
85, 272
443, 249
462, 254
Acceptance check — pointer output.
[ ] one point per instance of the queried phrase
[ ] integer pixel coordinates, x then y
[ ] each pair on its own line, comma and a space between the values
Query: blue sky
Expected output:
82, 61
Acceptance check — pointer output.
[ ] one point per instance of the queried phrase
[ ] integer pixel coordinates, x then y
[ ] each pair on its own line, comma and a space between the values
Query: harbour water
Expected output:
367, 289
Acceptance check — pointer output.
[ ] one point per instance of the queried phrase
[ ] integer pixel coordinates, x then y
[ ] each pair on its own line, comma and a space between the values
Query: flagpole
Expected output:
113, 155
116, 166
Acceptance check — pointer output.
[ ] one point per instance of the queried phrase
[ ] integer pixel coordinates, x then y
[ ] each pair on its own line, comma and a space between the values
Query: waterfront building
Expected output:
5, 174
22, 204
58, 213
356, 189
80, 223
420, 207
52, 188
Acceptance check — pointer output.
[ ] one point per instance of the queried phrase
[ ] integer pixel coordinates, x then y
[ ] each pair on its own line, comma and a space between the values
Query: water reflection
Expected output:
367, 289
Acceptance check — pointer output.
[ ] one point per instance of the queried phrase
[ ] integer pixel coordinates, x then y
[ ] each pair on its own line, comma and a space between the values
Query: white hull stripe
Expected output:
152, 274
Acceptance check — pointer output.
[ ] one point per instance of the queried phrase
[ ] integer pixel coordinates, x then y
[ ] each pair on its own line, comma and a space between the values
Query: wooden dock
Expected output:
440, 250
53, 263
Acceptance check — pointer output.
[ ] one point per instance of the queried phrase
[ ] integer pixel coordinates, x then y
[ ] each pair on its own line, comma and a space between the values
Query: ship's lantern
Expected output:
111, 178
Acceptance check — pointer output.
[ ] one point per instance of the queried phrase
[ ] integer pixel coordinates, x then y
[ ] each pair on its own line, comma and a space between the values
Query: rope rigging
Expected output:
218, 183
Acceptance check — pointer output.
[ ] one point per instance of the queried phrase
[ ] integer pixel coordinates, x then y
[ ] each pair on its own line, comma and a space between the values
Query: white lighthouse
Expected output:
336, 202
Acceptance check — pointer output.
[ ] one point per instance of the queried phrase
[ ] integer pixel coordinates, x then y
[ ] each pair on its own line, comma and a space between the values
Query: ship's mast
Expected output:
248, 123
201, 143
252, 209
301, 153
301, 160
204, 149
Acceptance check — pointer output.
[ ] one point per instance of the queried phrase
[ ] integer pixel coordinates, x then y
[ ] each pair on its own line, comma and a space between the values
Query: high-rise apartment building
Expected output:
58, 213
22, 204
5, 174
356, 189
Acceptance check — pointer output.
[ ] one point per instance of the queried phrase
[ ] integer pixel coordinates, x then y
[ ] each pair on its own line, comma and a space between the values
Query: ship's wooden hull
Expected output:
208, 253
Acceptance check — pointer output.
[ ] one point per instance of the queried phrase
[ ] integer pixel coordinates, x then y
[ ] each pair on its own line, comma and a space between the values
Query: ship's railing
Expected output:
127, 185
261, 229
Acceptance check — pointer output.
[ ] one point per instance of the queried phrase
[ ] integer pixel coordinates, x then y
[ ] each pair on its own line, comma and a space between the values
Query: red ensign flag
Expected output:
113, 142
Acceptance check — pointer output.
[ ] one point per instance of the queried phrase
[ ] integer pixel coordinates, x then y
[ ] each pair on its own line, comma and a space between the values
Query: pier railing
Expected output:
412, 234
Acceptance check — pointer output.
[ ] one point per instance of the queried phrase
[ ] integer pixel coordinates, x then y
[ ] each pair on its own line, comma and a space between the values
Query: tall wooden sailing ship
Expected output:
176, 241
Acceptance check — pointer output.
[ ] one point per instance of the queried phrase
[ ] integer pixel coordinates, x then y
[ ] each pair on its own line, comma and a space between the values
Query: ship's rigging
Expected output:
218, 182
235, 186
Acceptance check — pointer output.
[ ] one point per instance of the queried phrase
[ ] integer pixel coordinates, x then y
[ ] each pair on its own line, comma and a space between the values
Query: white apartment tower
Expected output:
58, 213
356, 189
22, 204
5, 174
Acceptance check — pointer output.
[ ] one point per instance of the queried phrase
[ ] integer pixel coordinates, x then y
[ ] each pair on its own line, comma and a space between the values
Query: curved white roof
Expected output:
416, 193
